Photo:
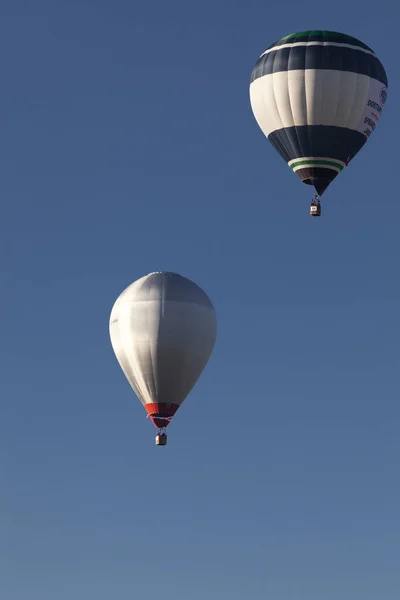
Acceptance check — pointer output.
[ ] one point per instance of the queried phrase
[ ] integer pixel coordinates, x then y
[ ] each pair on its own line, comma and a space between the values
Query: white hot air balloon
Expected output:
163, 329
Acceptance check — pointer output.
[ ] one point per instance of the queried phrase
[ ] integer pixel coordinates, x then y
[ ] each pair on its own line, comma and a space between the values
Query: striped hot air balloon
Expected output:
318, 96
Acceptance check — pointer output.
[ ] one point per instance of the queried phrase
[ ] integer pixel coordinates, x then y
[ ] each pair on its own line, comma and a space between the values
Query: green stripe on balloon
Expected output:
316, 163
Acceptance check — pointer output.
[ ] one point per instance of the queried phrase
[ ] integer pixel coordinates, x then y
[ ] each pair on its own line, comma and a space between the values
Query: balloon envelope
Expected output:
318, 96
163, 329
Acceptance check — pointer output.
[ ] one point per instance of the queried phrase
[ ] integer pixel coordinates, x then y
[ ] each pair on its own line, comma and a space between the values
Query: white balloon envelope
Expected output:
163, 329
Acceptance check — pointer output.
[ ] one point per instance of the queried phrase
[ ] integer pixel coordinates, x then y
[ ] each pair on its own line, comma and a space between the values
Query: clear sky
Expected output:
127, 145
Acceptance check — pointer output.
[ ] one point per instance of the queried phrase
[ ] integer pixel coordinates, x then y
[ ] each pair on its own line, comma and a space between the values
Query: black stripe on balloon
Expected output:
317, 141
322, 36
335, 58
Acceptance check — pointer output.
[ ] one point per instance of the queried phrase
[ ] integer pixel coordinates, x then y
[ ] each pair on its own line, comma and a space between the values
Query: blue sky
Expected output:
128, 145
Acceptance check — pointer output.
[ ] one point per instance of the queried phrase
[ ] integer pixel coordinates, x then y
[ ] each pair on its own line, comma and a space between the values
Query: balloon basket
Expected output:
161, 439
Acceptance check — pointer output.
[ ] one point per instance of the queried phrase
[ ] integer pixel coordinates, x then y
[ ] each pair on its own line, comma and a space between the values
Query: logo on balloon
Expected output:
383, 96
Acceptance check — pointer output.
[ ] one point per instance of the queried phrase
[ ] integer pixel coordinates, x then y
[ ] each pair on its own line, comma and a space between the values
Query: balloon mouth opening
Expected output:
160, 422
319, 177
320, 185
161, 413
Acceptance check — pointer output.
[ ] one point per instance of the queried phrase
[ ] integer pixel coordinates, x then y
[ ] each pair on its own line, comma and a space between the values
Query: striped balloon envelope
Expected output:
318, 96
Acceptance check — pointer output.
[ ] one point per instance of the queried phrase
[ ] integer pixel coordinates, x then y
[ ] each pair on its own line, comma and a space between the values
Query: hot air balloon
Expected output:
163, 329
318, 96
